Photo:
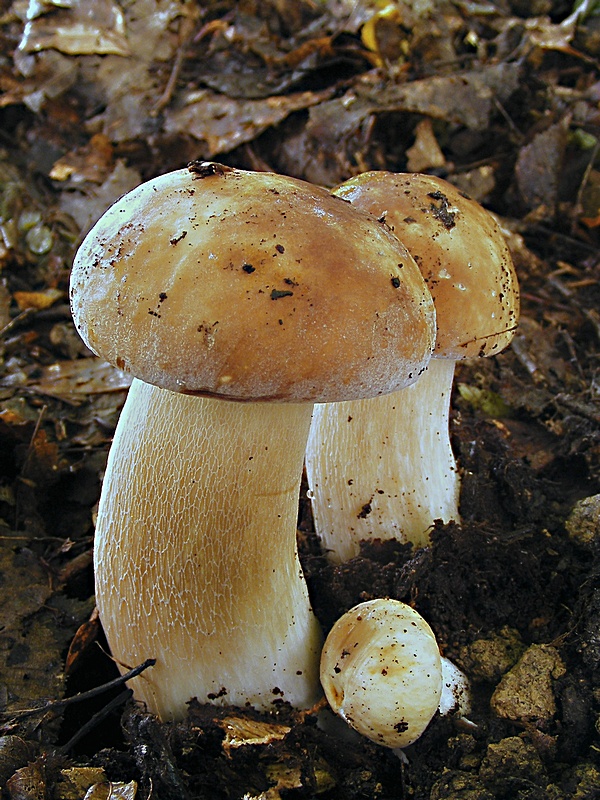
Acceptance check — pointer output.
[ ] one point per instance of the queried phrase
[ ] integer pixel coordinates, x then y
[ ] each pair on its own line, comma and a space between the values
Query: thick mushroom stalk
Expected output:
196, 556
384, 468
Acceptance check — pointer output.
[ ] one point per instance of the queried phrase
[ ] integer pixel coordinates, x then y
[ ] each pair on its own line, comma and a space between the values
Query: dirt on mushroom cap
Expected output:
209, 284
460, 250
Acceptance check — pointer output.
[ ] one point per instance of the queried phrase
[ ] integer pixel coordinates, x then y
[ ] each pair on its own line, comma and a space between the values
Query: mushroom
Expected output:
237, 300
383, 674
384, 467
381, 671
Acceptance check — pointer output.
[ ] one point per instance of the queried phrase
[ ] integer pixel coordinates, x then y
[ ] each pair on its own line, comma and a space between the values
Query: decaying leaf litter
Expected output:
503, 100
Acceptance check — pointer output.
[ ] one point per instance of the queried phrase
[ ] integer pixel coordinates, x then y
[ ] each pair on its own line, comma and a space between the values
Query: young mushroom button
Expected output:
237, 300
381, 671
384, 468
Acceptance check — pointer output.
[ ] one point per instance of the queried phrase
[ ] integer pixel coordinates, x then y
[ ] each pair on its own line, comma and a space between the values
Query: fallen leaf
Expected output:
112, 791
90, 163
73, 782
83, 376
539, 166
425, 152
86, 634
38, 300
240, 732
224, 123
85, 27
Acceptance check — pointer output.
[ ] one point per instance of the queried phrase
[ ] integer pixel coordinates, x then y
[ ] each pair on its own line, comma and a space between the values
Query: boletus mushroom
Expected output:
384, 467
381, 670
237, 300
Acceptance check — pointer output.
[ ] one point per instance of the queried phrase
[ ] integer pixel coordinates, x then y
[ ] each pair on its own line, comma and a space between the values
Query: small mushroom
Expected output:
381, 671
384, 468
237, 300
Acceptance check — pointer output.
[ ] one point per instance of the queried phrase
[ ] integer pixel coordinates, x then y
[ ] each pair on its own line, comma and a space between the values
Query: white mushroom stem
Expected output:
196, 560
383, 468
456, 690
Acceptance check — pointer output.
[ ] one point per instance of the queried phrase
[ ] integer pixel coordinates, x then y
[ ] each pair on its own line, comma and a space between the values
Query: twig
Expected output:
185, 36
16, 321
94, 720
577, 407
58, 705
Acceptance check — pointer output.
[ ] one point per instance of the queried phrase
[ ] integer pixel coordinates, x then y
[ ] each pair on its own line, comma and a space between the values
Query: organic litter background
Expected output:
503, 99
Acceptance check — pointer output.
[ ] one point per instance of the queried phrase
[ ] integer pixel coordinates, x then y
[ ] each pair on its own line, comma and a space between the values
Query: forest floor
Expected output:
503, 100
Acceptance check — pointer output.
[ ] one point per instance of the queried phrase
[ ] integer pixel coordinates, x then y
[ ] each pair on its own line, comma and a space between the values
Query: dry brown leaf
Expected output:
84, 376
240, 731
224, 123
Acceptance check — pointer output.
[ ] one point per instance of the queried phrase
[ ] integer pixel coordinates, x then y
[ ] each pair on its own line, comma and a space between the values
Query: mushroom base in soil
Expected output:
195, 553
383, 468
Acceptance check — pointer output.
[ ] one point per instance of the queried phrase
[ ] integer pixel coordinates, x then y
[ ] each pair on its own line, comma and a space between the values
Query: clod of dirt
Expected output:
488, 659
458, 785
509, 762
583, 523
526, 692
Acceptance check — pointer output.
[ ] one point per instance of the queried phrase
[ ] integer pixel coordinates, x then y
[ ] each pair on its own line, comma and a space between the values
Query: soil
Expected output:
501, 100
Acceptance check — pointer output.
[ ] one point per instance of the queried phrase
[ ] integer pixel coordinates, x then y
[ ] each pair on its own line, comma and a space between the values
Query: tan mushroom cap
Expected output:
460, 250
251, 286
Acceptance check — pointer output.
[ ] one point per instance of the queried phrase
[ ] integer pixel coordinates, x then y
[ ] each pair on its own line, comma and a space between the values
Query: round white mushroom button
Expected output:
381, 671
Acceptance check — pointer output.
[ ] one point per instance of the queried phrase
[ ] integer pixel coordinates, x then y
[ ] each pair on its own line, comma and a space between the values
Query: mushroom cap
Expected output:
460, 250
381, 671
251, 286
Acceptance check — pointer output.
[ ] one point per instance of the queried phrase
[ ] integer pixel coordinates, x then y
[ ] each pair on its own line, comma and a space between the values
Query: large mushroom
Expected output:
384, 468
237, 300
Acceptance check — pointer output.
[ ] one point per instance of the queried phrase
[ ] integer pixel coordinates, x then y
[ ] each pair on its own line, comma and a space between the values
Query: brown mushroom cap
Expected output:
251, 286
460, 250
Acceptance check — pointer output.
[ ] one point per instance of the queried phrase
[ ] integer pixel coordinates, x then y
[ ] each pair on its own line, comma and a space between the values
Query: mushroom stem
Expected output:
383, 468
196, 559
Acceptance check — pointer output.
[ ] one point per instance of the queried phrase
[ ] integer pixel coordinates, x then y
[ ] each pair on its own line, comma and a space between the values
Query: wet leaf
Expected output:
83, 28
112, 791
223, 123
